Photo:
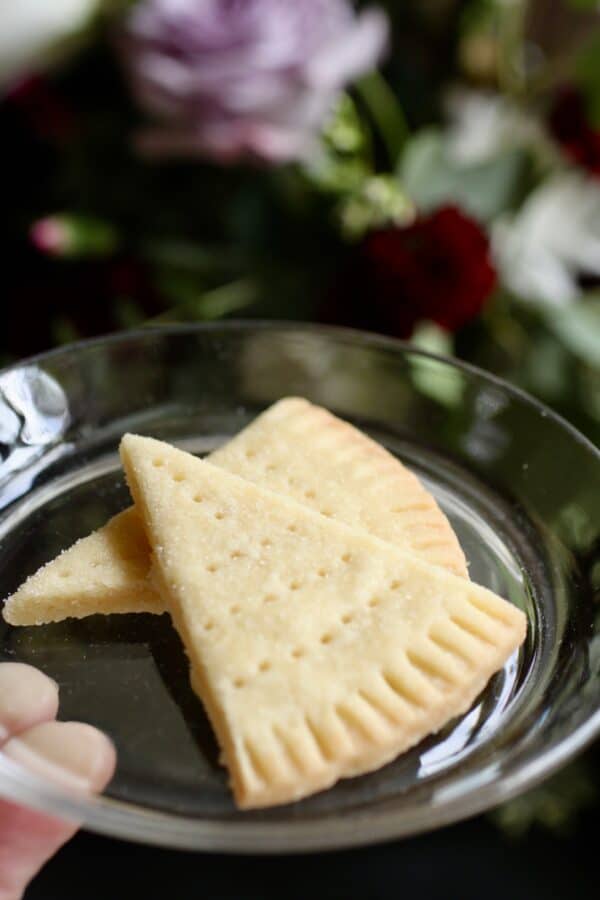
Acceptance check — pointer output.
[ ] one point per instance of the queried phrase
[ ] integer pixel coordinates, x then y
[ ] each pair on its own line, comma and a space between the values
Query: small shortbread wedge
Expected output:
294, 448
319, 651
106, 572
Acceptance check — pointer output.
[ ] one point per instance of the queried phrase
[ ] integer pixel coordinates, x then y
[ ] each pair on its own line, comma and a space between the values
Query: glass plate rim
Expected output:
350, 334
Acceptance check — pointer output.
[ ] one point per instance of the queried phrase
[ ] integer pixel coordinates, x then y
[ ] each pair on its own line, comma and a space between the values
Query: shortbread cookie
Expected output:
294, 448
319, 651
304, 452
106, 572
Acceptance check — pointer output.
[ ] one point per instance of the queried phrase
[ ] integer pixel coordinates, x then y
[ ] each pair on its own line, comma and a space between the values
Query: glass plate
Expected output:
521, 487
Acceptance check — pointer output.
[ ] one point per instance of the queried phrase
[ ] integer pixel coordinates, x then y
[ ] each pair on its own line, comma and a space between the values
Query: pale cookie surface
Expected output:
304, 452
294, 448
319, 651
106, 572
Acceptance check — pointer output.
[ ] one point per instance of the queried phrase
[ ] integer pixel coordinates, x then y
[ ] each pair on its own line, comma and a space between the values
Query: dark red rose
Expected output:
570, 126
43, 109
438, 268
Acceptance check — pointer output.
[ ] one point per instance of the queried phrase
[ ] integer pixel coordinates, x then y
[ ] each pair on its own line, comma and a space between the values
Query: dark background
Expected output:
470, 861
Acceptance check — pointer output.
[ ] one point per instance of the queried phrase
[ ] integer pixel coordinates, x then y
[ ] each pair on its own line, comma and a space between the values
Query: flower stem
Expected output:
386, 112
209, 305
511, 21
228, 298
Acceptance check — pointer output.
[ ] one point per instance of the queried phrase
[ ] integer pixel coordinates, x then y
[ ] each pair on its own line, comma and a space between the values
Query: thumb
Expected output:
74, 755
77, 756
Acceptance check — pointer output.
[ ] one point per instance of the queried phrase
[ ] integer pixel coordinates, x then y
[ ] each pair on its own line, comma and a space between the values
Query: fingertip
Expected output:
98, 751
27, 697
74, 755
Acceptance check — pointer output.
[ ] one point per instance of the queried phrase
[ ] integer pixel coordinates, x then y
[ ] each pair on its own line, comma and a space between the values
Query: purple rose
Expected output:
234, 78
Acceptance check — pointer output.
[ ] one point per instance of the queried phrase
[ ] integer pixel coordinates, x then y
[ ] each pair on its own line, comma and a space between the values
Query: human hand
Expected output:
71, 754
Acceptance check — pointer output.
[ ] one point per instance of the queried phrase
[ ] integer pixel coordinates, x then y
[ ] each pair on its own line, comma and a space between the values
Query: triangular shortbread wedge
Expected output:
106, 572
318, 650
294, 448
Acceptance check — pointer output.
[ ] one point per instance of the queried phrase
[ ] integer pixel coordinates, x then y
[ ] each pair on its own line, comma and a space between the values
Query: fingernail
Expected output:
74, 755
27, 697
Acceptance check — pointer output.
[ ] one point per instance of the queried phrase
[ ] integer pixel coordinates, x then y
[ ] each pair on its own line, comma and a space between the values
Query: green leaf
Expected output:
433, 339
420, 160
546, 367
344, 161
587, 74
447, 390
587, 67
386, 112
578, 328
378, 201
227, 299
181, 254
345, 133
556, 805
192, 301
484, 190
584, 4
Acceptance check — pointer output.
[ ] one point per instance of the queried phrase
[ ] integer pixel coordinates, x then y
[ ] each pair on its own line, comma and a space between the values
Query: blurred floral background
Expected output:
427, 169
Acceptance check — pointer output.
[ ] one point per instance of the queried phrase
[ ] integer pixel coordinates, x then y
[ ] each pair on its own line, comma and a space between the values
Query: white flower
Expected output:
32, 28
483, 123
555, 237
